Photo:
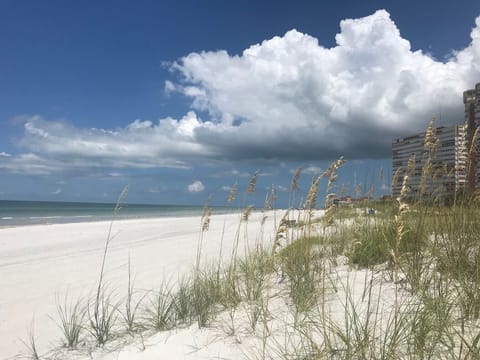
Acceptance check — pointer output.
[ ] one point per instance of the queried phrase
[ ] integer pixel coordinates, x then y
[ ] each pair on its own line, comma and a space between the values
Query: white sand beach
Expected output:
41, 263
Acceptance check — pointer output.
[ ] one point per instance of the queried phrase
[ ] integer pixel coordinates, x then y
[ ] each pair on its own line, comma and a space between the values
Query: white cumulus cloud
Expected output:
291, 97
196, 186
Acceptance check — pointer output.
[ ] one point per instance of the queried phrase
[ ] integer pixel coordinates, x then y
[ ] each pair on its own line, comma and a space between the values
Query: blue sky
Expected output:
181, 99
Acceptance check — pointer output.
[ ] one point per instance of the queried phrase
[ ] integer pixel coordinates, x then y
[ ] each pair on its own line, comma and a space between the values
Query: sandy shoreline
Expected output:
41, 262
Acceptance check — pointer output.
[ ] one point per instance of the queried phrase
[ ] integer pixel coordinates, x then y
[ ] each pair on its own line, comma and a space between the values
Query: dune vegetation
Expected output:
402, 282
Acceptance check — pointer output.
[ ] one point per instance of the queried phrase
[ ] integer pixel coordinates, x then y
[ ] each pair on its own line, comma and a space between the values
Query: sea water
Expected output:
18, 213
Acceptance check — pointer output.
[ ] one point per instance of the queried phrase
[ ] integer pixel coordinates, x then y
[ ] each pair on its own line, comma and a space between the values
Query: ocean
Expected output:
20, 213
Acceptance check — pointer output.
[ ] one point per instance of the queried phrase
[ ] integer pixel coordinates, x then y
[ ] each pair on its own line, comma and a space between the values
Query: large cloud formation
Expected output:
288, 97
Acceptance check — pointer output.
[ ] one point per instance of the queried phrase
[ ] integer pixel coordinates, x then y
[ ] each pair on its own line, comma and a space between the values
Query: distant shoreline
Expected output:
26, 213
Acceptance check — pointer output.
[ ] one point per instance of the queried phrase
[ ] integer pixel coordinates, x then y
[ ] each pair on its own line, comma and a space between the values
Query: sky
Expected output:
181, 99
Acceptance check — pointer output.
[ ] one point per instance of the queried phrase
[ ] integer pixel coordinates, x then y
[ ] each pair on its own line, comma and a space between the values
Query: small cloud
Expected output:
226, 188
4, 154
57, 192
196, 187
281, 188
139, 124
170, 87
312, 170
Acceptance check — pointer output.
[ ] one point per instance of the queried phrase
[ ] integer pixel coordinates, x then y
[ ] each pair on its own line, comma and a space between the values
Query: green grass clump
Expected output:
72, 316
182, 302
131, 305
301, 263
102, 315
373, 243
205, 293
159, 312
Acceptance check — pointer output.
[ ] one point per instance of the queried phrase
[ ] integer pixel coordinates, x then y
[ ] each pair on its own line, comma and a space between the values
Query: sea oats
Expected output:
270, 198
411, 165
430, 136
232, 194
332, 172
252, 183
312, 194
396, 176
281, 232
206, 213
247, 212
296, 176
206, 221
403, 208
404, 190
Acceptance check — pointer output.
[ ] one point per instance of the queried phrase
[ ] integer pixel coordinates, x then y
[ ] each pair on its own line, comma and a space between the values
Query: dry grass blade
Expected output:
31, 344
131, 305
120, 200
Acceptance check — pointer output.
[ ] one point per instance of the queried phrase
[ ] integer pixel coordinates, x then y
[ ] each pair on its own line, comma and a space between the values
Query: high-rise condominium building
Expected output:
454, 165
453, 161
435, 171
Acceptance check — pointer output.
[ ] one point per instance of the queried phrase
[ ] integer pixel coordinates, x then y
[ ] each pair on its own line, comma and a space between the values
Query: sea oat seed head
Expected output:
252, 183
296, 176
430, 140
232, 194
247, 212
411, 164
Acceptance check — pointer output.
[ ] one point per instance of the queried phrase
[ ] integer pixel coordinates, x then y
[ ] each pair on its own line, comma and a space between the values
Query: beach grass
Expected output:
71, 315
